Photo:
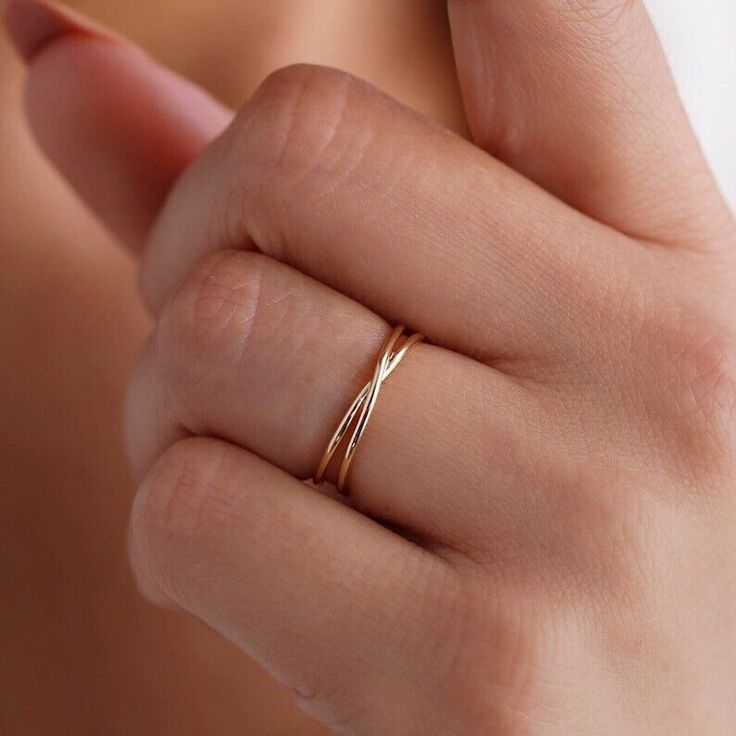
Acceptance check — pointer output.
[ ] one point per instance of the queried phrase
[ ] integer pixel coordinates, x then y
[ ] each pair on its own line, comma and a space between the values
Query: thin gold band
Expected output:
388, 360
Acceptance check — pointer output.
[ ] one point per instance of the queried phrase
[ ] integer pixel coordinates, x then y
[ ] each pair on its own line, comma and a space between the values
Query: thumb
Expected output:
119, 127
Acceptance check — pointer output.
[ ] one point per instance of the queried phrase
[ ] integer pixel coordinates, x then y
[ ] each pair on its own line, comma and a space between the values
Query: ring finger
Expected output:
255, 352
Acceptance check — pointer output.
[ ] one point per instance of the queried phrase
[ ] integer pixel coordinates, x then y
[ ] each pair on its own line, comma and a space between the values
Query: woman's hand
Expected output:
541, 536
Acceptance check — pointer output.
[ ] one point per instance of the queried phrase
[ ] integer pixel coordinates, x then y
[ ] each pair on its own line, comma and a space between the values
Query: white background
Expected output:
700, 39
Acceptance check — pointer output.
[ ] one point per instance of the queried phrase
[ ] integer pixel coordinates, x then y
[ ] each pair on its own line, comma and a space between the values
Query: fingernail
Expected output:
33, 25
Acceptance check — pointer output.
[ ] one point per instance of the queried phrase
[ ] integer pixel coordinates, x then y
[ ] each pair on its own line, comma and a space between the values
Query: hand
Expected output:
540, 539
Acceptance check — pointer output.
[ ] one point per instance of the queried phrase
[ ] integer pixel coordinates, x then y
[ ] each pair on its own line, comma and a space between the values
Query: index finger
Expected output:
118, 126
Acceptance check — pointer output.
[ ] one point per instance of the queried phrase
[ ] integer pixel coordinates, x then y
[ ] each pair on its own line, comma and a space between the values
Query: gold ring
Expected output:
363, 405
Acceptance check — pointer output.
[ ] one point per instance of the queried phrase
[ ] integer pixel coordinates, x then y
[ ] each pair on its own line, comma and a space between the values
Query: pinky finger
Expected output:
327, 600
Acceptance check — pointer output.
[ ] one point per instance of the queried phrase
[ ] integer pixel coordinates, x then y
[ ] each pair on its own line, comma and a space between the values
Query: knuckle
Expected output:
179, 513
210, 320
297, 113
611, 525
702, 368
305, 129
499, 664
693, 372
708, 370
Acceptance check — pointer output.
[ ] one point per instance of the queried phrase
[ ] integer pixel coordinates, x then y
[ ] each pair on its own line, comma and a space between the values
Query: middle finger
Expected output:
331, 176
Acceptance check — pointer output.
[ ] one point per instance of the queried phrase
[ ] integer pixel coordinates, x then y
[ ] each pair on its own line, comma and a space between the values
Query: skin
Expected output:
80, 646
538, 538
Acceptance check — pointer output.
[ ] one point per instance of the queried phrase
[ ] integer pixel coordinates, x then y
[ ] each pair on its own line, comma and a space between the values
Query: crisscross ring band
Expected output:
394, 350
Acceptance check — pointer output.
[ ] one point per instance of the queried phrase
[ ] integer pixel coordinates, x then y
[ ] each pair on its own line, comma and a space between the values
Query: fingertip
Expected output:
32, 26
117, 125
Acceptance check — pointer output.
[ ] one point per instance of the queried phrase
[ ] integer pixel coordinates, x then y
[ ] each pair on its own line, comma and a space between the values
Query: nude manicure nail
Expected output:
33, 25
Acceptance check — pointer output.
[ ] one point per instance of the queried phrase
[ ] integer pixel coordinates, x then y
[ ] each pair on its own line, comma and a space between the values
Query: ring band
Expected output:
363, 405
